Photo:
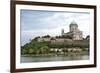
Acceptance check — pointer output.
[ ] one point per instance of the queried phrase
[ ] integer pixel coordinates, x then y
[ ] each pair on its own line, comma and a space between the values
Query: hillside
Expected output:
45, 47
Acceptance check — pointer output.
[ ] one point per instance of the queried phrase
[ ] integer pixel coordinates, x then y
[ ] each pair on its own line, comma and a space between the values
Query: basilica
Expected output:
74, 33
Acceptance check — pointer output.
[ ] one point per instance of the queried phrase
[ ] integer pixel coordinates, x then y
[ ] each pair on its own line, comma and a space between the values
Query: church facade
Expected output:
74, 33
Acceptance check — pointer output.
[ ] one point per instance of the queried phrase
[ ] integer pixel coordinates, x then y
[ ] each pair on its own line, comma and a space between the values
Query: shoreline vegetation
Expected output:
53, 54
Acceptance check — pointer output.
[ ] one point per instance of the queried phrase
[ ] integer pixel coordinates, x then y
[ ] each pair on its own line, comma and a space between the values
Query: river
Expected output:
28, 59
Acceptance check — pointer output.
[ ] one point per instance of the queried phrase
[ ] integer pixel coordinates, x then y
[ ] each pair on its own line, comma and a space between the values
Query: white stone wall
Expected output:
43, 39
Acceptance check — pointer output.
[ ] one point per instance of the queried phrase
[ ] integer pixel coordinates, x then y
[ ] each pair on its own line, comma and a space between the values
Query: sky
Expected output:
40, 22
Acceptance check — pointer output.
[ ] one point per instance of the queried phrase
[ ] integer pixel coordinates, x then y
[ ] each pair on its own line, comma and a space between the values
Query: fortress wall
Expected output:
72, 43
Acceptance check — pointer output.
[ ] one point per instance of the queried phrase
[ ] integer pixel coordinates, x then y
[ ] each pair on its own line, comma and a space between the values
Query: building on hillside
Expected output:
43, 39
74, 33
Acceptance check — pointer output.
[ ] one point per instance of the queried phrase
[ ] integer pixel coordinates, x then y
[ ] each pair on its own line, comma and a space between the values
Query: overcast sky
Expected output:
38, 23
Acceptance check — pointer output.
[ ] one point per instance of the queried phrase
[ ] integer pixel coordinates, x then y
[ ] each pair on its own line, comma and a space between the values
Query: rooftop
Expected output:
73, 23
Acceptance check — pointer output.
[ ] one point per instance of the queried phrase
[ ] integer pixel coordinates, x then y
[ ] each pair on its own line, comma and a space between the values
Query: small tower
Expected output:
62, 32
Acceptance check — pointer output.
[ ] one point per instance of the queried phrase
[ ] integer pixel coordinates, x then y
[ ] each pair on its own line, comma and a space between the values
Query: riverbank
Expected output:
57, 54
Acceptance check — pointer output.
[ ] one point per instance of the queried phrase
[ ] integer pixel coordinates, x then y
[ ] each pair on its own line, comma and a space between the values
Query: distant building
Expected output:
43, 39
74, 33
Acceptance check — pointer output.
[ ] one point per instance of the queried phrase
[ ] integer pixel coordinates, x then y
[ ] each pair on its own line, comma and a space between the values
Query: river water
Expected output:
52, 58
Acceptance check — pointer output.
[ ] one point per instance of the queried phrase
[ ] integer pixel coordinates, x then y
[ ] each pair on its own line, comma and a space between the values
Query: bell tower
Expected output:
62, 32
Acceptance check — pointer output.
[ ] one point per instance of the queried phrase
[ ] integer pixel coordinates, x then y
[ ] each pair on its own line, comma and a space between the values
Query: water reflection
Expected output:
53, 58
